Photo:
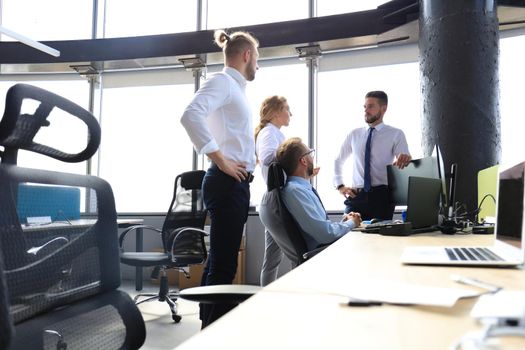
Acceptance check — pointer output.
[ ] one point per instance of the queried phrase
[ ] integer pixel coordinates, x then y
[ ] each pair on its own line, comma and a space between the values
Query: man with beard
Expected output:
218, 121
302, 200
373, 148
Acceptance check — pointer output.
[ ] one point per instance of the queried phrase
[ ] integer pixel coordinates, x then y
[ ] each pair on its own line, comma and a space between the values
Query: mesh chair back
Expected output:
56, 264
60, 279
6, 323
186, 207
278, 220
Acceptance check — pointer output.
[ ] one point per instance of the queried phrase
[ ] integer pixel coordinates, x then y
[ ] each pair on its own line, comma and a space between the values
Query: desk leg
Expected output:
138, 269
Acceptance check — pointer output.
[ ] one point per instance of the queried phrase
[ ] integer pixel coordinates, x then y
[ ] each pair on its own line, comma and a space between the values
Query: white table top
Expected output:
298, 311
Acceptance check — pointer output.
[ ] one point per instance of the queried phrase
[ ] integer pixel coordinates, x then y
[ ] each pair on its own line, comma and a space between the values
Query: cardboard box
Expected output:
196, 271
173, 277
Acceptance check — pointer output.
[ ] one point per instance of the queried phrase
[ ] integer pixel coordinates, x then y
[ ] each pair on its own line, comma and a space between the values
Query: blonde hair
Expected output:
269, 106
234, 43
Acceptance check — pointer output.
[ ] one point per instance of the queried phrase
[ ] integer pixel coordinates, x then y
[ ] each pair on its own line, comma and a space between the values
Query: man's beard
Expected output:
373, 118
310, 169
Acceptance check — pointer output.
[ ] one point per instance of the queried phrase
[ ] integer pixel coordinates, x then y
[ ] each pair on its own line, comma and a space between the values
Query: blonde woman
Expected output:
275, 113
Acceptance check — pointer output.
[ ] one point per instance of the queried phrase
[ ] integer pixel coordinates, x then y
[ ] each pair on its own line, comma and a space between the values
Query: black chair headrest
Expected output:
276, 176
17, 131
192, 180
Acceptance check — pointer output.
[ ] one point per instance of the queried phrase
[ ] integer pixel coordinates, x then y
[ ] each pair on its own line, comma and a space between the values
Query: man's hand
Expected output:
347, 192
230, 167
402, 160
355, 217
316, 171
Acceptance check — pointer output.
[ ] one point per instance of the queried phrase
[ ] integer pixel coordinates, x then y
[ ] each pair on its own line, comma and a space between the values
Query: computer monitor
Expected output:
487, 189
398, 178
442, 177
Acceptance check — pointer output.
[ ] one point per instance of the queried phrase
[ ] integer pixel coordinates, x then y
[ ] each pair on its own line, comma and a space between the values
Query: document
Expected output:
400, 293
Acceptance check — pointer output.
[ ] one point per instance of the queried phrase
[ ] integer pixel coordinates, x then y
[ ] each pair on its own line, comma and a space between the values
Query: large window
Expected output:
332, 7
137, 17
48, 20
233, 13
341, 100
512, 75
144, 146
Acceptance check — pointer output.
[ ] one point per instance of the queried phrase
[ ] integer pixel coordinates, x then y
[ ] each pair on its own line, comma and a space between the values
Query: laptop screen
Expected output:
509, 222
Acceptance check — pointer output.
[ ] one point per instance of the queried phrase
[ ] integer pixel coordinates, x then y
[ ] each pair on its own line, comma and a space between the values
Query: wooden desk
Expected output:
284, 315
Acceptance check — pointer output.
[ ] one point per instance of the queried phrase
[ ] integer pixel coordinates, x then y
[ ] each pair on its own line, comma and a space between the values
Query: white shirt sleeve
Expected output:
213, 94
344, 153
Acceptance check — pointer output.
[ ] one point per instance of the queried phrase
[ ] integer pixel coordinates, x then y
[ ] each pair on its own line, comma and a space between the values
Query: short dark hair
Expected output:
380, 95
289, 153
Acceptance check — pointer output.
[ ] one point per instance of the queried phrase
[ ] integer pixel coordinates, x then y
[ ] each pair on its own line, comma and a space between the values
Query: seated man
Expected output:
303, 202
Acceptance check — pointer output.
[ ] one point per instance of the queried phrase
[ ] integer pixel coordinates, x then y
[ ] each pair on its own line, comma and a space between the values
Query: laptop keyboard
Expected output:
471, 254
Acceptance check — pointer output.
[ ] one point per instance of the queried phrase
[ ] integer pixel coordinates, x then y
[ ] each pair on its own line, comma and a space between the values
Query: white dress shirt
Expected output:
220, 118
387, 143
269, 139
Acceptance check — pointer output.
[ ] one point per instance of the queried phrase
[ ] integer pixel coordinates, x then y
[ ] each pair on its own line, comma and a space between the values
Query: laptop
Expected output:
508, 248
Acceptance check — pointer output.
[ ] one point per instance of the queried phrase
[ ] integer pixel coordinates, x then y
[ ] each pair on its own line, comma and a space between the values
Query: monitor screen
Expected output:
398, 178
509, 215
442, 176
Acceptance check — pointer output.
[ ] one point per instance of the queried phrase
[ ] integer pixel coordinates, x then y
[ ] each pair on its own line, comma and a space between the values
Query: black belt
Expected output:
248, 178
380, 187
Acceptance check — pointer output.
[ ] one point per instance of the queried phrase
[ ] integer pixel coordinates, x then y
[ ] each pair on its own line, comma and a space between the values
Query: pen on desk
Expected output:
361, 302
476, 283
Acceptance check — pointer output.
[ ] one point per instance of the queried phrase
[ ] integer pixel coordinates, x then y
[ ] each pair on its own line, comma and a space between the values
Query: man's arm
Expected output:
344, 152
403, 156
308, 212
212, 95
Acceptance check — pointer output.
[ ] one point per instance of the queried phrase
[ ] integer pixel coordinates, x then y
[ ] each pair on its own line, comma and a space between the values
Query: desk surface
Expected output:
284, 316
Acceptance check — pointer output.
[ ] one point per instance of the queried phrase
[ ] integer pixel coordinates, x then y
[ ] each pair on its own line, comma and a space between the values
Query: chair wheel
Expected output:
176, 318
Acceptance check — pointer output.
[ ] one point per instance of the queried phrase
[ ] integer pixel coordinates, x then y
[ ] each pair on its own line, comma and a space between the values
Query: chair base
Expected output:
164, 295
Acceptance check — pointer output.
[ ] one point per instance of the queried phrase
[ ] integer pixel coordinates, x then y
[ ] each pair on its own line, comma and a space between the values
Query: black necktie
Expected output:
368, 179
320, 201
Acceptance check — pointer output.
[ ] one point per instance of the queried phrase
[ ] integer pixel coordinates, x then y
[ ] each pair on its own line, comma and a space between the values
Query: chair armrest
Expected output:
310, 254
220, 293
134, 228
183, 231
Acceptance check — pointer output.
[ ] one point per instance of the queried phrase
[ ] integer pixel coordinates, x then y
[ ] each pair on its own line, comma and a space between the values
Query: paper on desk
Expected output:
395, 292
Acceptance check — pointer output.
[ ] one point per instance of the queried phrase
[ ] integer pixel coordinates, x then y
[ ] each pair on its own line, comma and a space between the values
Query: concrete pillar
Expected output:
459, 50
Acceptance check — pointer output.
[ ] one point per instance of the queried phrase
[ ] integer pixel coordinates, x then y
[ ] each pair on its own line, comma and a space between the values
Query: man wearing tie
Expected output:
302, 200
373, 148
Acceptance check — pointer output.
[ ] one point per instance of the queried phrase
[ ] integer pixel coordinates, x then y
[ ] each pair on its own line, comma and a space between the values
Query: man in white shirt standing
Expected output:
219, 123
372, 148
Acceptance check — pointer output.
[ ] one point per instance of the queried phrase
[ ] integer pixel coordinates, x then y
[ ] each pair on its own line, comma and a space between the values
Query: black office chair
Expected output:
280, 223
182, 237
65, 293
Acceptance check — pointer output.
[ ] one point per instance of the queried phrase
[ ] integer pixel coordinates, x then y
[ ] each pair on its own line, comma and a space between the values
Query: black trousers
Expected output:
372, 204
227, 201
